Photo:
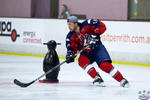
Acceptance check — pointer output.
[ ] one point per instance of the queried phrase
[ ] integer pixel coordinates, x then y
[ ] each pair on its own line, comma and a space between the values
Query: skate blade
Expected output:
127, 85
99, 85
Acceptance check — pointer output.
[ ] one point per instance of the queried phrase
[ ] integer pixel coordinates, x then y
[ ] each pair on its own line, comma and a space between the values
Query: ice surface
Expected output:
74, 84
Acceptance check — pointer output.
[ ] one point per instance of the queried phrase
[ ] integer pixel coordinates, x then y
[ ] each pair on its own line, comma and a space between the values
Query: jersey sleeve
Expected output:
97, 25
71, 45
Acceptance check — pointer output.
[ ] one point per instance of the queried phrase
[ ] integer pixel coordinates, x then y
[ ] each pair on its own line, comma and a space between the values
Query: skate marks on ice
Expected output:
64, 90
74, 83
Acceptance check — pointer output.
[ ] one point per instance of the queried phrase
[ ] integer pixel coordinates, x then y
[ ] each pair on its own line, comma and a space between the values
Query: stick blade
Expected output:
21, 84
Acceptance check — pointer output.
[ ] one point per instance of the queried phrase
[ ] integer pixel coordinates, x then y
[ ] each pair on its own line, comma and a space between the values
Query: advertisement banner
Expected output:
127, 36
21, 31
121, 37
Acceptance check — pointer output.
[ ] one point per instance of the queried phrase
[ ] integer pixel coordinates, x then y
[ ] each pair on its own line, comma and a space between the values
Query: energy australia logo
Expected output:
144, 95
6, 30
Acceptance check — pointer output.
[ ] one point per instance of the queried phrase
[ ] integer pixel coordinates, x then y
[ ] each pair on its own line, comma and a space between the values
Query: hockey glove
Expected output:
69, 57
94, 42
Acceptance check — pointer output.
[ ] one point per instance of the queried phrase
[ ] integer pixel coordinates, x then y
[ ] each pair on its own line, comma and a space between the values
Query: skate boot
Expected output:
98, 81
124, 83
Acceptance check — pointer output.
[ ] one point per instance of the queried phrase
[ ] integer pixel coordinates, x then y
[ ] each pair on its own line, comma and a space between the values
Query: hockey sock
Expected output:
84, 62
108, 68
90, 70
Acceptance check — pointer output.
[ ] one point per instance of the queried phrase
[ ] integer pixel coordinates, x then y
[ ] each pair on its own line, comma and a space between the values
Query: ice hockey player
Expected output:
51, 60
88, 33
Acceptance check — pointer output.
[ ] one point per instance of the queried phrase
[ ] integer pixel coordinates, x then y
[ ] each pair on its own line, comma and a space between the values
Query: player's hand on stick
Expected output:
69, 57
94, 42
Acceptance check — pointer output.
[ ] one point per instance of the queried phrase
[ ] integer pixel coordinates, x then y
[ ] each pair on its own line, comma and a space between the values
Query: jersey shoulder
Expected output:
90, 22
84, 23
69, 35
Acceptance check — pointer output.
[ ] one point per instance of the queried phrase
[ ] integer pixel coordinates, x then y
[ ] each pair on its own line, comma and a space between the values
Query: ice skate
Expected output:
98, 81
124, 83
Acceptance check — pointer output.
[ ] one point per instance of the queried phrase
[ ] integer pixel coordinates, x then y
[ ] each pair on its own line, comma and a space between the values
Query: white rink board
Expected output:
121, 38
127, 36
30, 31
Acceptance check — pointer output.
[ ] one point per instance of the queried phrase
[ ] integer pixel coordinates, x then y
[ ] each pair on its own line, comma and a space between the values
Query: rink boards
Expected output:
126, 41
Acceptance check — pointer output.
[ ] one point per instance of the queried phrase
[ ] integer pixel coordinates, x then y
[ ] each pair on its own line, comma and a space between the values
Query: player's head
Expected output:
72, 22
51, 44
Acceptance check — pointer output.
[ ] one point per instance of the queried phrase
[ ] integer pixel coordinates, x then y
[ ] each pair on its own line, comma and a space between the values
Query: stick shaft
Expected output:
50, 70
27, 84
60, 64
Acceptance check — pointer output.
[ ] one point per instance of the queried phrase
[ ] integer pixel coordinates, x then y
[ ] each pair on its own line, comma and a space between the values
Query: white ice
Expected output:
74, 84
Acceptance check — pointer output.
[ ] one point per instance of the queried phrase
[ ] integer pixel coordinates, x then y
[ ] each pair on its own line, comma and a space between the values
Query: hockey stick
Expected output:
21, 84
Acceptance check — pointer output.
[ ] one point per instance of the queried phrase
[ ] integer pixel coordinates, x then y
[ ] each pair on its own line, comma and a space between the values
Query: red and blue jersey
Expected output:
76, 41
